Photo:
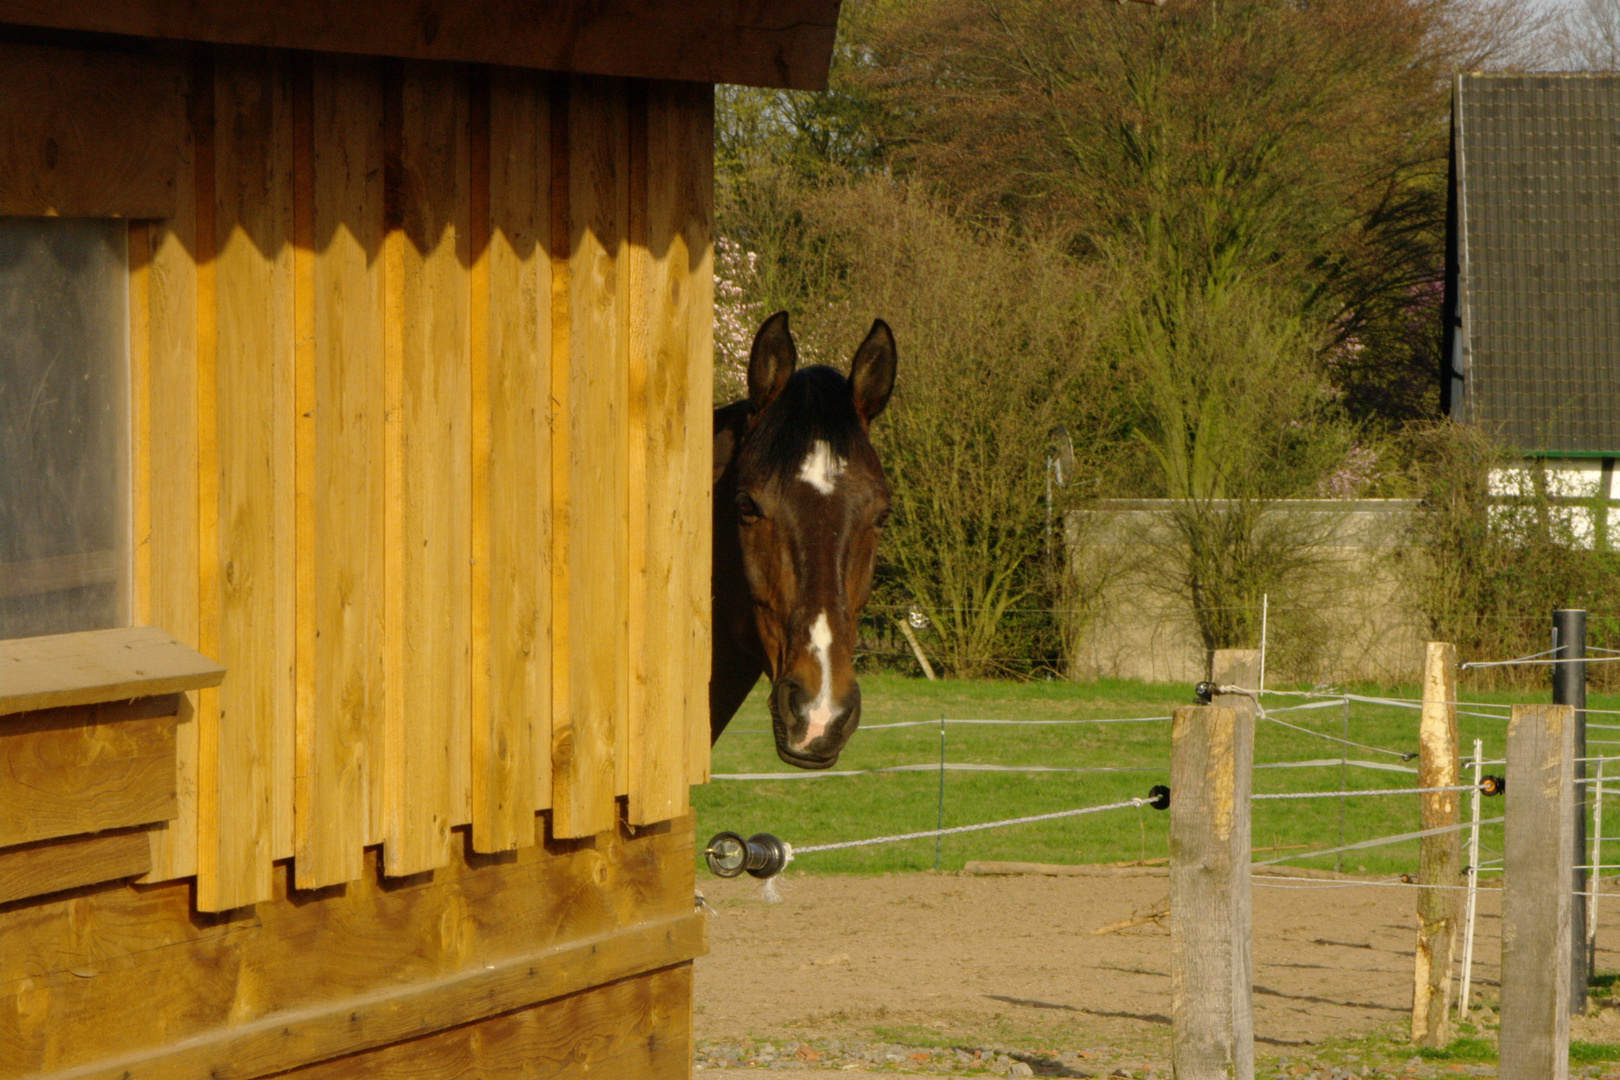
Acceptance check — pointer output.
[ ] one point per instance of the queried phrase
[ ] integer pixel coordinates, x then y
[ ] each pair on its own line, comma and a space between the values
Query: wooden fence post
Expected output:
1212, 1037
1536, 897
1439, 857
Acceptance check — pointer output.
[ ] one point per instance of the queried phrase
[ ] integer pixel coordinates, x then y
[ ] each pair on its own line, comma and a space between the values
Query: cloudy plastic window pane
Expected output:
64, 443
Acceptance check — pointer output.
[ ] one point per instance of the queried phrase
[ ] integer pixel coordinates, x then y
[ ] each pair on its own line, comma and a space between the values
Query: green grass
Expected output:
823, 809
1466, 1050
1594, 1052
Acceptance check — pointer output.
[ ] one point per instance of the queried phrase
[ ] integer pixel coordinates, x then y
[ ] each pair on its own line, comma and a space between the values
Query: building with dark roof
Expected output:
1532, 307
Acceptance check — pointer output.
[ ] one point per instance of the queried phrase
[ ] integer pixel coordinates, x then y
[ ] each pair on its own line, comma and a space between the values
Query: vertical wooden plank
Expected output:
1240, 667
586, 733
696, 112
662, 653
559, 94
641, 458
1538, 860
175, 328
340, 478
515, 460
1209, 864
1439, 857
427, 727
478, 332
247, 746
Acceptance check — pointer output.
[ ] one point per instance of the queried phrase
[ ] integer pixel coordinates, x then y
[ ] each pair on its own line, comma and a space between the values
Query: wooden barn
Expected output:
354, 528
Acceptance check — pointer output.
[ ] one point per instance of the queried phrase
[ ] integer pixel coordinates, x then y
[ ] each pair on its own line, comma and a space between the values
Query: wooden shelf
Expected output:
96, 666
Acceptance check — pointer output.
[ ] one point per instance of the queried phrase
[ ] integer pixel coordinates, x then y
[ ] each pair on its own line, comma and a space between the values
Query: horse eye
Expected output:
747, 508
881, 522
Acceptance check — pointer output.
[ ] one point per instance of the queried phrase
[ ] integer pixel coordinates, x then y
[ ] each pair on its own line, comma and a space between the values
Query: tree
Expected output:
1589, 35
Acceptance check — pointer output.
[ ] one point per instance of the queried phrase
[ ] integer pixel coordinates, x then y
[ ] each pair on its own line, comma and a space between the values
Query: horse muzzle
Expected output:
803, 739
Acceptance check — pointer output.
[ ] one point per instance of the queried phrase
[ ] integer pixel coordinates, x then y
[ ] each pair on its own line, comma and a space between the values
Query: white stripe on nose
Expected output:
821, 709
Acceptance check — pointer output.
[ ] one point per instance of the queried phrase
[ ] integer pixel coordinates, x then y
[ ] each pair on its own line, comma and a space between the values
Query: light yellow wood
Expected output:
394, 1014
53, 865
485, 743
88, 957
341, 509
692, 108
642, 462
247, 745
181, 259
85, 768
585, 731
89, 134
426, 769
658, 743
516, 467
561, 425
598, 1032
98, 665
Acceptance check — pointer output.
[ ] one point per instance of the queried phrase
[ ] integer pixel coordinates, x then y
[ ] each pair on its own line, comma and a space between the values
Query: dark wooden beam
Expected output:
787, 43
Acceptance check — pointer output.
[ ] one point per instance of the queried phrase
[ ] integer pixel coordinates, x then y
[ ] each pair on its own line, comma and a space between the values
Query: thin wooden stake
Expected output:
1439, 857
916, 647
1538, 853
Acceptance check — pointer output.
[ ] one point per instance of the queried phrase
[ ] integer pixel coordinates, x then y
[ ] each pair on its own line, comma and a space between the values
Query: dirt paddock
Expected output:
956, 961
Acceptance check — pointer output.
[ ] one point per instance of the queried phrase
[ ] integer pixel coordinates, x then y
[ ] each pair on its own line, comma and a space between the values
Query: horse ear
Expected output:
771, 361
871, 373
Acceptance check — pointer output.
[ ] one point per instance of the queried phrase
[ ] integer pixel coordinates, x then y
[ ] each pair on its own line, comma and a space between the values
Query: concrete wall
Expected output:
1343, 619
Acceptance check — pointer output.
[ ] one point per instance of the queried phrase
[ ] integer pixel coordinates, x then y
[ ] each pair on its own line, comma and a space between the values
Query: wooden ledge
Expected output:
289, 1040
98, 665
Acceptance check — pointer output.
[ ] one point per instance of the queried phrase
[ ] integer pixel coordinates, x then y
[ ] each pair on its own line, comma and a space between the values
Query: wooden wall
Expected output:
422, 368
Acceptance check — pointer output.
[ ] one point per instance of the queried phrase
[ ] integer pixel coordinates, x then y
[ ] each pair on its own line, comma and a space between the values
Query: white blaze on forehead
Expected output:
821, 709
822, 468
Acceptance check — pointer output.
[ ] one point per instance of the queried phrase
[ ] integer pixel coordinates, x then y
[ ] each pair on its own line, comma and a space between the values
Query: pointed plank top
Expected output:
98, 665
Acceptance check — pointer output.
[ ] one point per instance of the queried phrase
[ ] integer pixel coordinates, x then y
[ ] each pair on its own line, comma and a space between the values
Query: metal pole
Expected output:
1473, 883
1569, 688
941, 824
1594, 877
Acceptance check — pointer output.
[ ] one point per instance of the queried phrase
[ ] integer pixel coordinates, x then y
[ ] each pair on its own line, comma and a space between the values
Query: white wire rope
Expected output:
1349, 794
954, 830
1334, 738
1381, 841
963, 766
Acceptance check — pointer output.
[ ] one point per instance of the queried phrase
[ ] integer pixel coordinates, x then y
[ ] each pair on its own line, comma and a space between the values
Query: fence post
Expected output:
1212, 1037
1244, 668
1537, 852
1569, 688
1439, 857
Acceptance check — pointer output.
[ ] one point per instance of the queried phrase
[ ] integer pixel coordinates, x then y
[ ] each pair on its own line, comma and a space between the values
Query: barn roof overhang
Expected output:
780, 43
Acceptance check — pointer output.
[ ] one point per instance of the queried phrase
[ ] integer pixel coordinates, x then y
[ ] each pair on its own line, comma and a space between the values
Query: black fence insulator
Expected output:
1204, 692
728, 855
1159, 797
1492, 785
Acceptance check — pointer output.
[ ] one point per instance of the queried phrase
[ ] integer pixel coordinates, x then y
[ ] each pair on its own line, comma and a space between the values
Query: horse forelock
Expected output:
814, 407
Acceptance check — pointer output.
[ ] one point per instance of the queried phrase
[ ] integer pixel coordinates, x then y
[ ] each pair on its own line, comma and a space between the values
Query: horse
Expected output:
799, 502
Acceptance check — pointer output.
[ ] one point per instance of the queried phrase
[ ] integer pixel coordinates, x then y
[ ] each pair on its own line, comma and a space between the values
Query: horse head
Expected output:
799, 501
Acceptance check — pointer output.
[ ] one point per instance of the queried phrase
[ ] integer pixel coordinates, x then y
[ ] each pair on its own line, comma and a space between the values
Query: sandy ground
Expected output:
1014, 961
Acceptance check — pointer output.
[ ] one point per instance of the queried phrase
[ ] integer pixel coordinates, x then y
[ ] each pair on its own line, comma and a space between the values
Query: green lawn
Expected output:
831, 808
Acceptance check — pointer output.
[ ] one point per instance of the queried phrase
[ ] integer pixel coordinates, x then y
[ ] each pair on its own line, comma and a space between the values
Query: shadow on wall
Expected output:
1344, 617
